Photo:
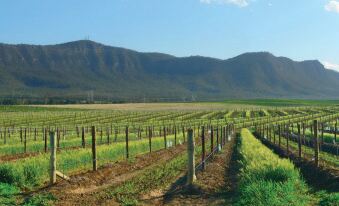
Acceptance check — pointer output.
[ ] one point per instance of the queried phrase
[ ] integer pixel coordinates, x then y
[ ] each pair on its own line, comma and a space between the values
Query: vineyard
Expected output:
246, 155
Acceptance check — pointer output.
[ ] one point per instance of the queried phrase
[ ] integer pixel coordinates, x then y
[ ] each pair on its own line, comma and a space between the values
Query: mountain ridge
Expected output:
79, 69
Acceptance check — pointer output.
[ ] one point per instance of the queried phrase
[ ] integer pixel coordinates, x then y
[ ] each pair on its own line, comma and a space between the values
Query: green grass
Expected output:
34, 171
7, 194
283, 102
128, 193
265, 179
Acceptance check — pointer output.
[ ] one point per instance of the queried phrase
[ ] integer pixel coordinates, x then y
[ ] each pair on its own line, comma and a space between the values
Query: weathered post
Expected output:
269, 127
150, 139
25, 140
191, 163
45, 139
83, 137
175, 136
279, 136
53, 158
218, 137
304, 138
222, 136
35, 133
165, 139
20, 134
299, 141
274, 127
5, 138
227, 133
94, 150
183, 133
101, 135
316, 145
322, 135
335, 130
212, 141
108, 134
116, 131
287, 139
127, 152
203, 147
58, 137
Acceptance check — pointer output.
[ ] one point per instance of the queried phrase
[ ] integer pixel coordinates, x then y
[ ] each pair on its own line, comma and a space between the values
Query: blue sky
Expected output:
299, 29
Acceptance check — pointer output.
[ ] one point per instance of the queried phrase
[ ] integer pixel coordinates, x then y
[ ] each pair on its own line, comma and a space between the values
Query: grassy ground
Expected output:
155, 106
265, 179
227, 104
284, 102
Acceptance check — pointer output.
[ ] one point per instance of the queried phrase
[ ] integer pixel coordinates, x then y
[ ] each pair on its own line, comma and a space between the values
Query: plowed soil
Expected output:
89, 188
214, 186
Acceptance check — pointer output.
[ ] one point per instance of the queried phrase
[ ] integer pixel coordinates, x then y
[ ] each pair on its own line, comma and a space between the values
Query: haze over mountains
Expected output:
82, 69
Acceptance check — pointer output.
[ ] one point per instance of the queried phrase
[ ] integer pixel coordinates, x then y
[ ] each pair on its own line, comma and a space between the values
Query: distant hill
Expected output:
84, 69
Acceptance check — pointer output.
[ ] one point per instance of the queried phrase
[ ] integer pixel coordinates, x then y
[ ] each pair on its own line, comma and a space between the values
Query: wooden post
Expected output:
150, 139
304, 138
25, 141
299, 141
183, 133
175, 135
83, 137
217, 136
274, 127
108, 134
53, 158
58, 137
227, 133
322, 135
94, 150
203, 147
165, 139
21, 134
127, 152
335, 130
279, 135
287, 139
101, 135
115, 135
45, 139
222, 136
191, 162
316, 145
35, 133
77, 130
5, 141
212, 141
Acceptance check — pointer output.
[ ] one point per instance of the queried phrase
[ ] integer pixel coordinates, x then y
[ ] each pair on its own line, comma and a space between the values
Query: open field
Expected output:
145, 147
155, 106
283, 102
228, 104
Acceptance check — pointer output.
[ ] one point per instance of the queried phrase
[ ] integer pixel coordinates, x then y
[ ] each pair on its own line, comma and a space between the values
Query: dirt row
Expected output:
214, 186
86, 188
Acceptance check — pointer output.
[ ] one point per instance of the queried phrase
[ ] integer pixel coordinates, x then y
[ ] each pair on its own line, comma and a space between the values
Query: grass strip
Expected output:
266, 179
129, 192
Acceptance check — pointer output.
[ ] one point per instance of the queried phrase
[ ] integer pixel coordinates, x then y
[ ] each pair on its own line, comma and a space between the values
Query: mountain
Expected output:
85, 69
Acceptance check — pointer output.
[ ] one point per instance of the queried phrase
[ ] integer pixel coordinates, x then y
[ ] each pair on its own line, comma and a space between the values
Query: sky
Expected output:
298, 29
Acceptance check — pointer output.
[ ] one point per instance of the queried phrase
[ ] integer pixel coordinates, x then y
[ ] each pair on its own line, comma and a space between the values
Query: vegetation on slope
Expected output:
86, 70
